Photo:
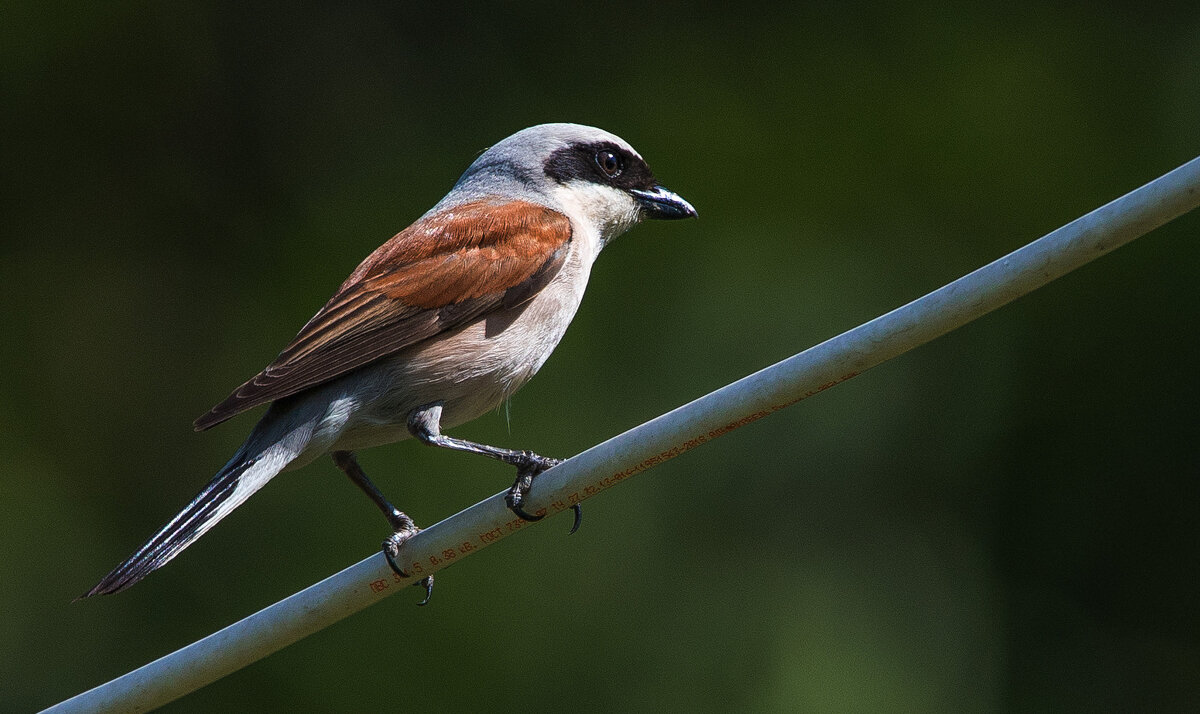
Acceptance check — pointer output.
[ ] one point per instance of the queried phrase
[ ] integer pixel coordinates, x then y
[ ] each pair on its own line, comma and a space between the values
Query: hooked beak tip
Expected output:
664, 204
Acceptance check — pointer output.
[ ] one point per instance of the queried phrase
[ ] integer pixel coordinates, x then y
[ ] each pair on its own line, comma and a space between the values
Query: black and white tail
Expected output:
242, 476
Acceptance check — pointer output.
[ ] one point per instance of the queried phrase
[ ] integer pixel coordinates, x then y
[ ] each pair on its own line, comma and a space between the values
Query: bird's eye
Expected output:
609, 163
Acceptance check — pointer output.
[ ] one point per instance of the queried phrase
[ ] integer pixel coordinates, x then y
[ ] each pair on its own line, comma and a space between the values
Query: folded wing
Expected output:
439, 274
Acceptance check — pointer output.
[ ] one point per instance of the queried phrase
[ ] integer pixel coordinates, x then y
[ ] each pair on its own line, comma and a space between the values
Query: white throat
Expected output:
600, 213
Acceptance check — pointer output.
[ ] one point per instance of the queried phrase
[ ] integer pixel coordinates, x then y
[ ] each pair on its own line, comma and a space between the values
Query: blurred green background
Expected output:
1005, 519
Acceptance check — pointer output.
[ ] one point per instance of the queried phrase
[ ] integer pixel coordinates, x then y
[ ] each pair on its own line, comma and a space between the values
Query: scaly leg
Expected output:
403, 527
425, 424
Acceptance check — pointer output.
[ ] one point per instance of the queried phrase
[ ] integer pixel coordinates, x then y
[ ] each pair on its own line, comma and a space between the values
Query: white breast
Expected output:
471, 371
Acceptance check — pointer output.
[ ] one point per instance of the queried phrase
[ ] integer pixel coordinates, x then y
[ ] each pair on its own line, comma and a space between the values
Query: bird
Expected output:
438, 326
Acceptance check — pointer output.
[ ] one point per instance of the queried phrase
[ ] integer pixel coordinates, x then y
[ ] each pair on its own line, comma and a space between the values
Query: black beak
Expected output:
664, 204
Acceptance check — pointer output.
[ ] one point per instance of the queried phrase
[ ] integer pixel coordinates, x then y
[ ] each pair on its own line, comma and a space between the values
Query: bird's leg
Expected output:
425, 424
403, 527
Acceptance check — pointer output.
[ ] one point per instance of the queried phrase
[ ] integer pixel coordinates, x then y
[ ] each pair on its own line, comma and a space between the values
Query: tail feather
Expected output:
229, 488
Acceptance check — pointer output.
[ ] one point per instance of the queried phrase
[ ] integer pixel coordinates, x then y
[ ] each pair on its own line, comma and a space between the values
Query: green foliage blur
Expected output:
1005, 519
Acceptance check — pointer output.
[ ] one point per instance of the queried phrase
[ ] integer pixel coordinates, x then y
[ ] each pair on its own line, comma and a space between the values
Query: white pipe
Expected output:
665, 437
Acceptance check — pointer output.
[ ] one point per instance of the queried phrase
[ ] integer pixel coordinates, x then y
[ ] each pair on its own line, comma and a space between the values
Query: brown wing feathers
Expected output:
439, 274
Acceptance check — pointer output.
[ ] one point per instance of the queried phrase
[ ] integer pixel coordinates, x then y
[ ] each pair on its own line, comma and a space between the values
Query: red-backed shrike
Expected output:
438, 326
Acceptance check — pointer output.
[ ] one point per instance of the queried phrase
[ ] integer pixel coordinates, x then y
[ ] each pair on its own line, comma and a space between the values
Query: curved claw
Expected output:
516, 495
578, 518
523, 515
390, 549
428, 583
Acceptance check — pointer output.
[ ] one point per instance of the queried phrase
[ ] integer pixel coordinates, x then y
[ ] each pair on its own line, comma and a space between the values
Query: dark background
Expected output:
1002, 520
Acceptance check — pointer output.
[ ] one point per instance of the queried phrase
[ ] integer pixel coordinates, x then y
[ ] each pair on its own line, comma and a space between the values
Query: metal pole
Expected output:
658, 440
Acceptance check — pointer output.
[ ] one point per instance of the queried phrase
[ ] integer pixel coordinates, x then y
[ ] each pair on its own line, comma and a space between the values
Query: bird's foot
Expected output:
391, 550
529, 465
